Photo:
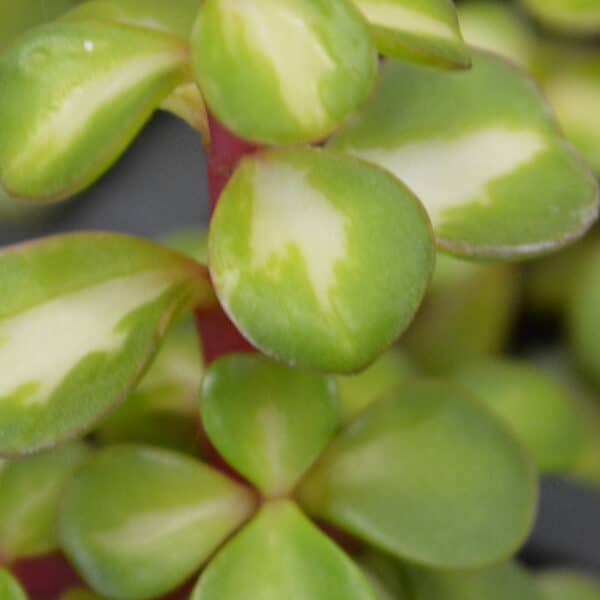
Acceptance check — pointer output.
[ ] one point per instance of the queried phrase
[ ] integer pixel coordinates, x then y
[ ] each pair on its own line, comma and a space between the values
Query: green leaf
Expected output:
171, 17
471, 304
318, 258
9, 587
417, 30
187, 103
280, 554
283, 71
16, 17
388, 373
520, 393
80, 594
137, 521
570, 16
191, 242
81, 317
583, 318
269, 421
31, 492
473, 146
163, 409
568, 585
74, 95
507, 581
428, 475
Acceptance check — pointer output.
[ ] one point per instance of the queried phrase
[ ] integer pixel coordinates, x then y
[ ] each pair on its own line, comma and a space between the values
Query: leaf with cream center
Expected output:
137, 521
81, 317
429, 475
268, 420
318, 258
482, 152
31, 489
282, 71
280, 554
74, 95
423, 31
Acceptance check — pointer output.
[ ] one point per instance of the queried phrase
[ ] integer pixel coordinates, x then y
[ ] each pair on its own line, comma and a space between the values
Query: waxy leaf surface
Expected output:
534, 405
74, 95
570, 16
427, 474
30, 492
568, 585
280, 554
423, 31
138, 521
282, 71
318, 258
482, 152
268, 420
9, 587
173, 17
81, 317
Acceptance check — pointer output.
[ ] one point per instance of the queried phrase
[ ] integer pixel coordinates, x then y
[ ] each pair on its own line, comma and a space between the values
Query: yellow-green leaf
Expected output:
9, 587
568, 585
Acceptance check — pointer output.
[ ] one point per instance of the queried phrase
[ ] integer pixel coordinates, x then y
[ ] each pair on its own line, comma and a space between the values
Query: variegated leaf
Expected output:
423, 31
429, 475
9, 587
570, 16
268, 420
81, 317
171, 17
482, 152
319, 258
137, 521
30, 492
568, 585
280, 554
74, 95
281, 71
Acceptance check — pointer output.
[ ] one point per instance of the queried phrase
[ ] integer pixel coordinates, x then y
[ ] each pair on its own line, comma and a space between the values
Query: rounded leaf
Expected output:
138, 521
280, 554
74, 95
482, 152
568, 585
429, 475
416, 30
81, 317
520, 394
9, 587
268, 420
30, 492
318, 258
282, 71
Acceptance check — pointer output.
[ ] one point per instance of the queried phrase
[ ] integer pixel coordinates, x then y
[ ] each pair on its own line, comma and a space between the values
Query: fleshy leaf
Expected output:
163, 409
482, 152
520, 394
570, 16
428, 475
388, 373
420, 31
280, 554
16, 17
74, 95
473, 305
137, 521
171, 17
568, 585
318, 258
283, 71
9, 587
187, 103
268, 420
31, 492
584, 318
81, 317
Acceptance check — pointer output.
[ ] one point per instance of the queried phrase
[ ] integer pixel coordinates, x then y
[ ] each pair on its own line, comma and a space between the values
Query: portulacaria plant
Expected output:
347, 142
